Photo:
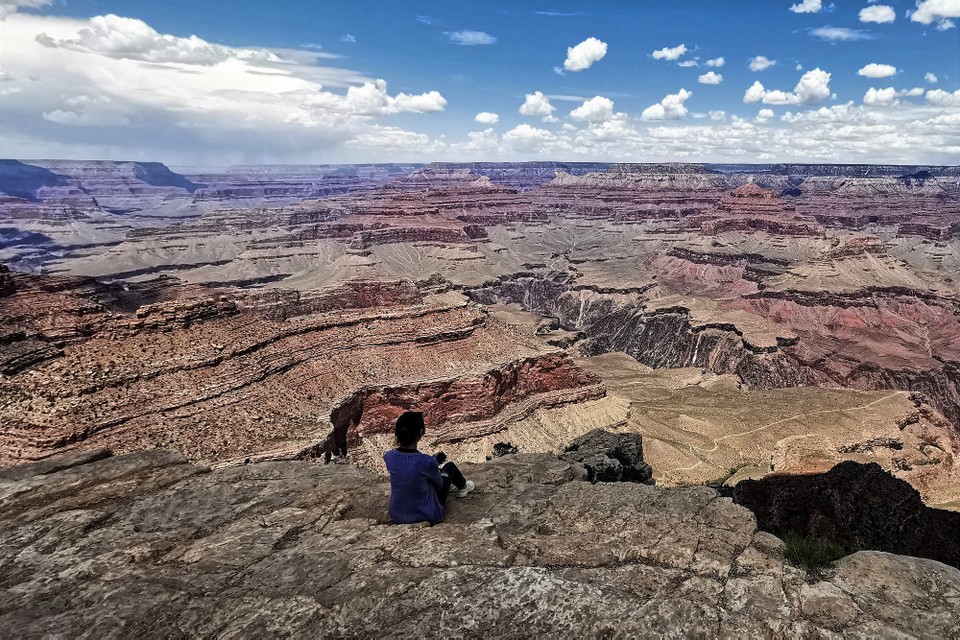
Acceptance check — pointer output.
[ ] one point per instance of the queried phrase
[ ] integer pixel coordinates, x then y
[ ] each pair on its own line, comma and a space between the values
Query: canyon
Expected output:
747, 320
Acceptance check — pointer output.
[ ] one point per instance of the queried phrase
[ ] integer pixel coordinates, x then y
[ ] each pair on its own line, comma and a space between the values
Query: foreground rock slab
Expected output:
149, 545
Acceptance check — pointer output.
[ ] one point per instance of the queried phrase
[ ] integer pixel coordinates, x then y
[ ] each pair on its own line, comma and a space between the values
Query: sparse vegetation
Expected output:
722, 480
810, 553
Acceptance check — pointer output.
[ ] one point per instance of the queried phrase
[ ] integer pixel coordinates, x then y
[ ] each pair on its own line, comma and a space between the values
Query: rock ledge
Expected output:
149, 545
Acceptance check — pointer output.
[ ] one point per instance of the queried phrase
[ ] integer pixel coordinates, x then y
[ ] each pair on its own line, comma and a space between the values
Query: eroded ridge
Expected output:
228, 375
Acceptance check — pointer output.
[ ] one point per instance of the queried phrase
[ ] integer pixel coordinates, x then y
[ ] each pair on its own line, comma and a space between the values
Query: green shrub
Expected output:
812, 554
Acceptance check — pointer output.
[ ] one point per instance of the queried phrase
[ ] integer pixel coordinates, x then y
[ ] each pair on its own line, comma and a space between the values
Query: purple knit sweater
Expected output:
414, 480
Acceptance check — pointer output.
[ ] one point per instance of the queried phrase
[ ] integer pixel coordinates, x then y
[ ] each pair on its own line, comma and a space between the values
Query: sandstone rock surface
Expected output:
149, 545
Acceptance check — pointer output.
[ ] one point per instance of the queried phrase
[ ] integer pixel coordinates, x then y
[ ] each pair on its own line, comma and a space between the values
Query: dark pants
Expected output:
452, 478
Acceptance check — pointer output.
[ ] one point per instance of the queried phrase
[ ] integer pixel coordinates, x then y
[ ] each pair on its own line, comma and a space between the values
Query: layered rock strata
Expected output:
736, 278
231, 375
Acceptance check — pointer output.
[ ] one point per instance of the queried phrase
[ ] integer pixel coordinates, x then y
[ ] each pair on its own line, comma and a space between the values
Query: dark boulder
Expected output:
7, 284
610, 457
859, 506
501, 449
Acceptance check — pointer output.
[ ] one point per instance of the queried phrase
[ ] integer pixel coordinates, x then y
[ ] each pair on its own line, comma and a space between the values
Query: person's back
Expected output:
414, 479
418, 486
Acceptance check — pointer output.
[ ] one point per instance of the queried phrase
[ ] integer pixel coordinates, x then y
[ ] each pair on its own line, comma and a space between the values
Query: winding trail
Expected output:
716, 441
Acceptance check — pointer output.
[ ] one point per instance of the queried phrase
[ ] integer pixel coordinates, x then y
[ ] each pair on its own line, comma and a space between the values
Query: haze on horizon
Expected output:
870, 81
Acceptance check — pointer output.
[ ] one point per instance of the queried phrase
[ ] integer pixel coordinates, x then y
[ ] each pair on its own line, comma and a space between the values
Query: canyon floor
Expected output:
747, 320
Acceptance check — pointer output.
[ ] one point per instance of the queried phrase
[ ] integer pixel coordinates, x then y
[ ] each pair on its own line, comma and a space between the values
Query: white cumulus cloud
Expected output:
527, 139
485, 117
941, 98
596, 109
759, 63
879, 13
131, 39
880, 97
930, 77
537, 105
110, 86
585, 54
716, 62
372, 99
935, 11
670, 108
874, 70
710, 78
813, 88
889, 96
807, 6
669, 53
764, 115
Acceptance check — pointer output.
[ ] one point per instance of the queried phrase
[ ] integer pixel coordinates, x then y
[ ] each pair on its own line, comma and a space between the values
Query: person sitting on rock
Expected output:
419, 487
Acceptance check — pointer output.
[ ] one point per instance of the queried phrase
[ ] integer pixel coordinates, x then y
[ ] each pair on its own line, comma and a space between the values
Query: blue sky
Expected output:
76, 106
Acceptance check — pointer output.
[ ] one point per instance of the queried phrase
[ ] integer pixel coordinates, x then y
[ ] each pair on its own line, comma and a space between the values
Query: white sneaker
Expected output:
462, 493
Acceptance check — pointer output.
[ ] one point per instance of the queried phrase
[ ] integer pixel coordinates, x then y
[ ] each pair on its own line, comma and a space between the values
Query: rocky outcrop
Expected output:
930, 231
7, 285
751, 199
859, 506
465, 406
393, 235
148, 544
283, 304
610, 457
750, 208
748, 224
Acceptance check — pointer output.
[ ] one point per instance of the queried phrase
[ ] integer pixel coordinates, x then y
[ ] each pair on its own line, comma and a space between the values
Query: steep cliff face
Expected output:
394, 235
618, 322
668, 337
688, 177
468, 406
